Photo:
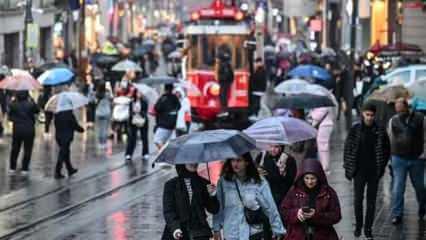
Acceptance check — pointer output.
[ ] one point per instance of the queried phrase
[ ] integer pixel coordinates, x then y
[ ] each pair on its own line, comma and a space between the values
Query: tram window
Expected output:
194, 51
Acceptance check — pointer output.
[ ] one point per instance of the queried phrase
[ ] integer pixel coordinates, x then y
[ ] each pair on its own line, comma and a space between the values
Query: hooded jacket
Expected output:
181, 213
327, 207
22, 113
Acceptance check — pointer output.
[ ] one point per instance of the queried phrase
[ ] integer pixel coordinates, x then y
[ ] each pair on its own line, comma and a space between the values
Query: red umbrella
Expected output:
402, 47
20, 81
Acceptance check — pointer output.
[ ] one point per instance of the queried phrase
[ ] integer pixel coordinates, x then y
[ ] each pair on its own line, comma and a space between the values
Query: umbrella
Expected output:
159, 80
269, 49
51, 65
4, 70
328, 52
65, 101
280, 130
148, 42
310, 71
105, 60
192, 89
292, 86
390, 94
20, 81
303, 101
148, 92
175, 54
126, 65
56, 76
206, 146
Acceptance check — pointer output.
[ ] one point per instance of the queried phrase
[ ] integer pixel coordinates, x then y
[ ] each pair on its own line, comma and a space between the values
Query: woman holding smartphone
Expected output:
311, 207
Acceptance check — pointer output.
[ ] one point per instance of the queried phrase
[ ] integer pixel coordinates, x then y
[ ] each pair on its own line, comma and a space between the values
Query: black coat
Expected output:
279, 184
65, 125
258, 80
180, 214
352, 154
23, 114
166, 109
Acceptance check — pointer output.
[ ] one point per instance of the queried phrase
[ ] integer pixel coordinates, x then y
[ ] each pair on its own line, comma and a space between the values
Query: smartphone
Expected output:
306, 209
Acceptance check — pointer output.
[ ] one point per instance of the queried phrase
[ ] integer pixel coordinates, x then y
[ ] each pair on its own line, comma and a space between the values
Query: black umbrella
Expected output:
105, 60
140, 51
159, 80
302, 101
206, 146
48, 66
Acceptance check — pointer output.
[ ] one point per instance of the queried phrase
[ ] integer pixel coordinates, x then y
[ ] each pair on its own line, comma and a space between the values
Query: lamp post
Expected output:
28, 20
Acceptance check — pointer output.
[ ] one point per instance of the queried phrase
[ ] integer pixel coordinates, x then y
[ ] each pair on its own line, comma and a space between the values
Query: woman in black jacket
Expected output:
65, 125
22, 113
185, 200
138, 108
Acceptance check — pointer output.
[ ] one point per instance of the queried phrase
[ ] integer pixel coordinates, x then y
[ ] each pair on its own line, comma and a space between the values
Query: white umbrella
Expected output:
148, 92
175, 54
292, 86
65, 101
125, 65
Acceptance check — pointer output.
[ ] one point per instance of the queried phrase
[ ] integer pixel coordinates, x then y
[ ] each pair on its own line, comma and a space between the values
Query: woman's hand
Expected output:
211, 189
217, 236
300, 215
309, 214
262, 171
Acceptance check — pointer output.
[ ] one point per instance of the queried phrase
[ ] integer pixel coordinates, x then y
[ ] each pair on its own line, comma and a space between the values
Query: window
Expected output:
399, 78
420, 74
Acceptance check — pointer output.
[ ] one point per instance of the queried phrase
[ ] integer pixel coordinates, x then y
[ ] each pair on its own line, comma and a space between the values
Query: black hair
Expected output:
251, 171
369, 106
168, 87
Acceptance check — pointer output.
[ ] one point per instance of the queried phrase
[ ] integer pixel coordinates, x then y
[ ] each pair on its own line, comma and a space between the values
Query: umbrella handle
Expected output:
262, 160
208, 172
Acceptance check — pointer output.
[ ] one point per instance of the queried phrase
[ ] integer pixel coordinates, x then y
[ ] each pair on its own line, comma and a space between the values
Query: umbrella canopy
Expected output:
269, 49
175, 54
56, 76
206, 146
51, 65
159, 80
20, 81
65, 101
148, 92
328, 52
292, 86
140, 51
105, 60
280, 130
310, 71
390, 94
304, 101
126, 65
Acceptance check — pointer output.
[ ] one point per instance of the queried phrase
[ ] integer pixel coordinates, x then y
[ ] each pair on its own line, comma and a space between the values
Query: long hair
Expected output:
251, 170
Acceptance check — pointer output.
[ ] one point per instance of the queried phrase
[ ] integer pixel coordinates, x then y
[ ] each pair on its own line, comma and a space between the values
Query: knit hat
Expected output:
369, 106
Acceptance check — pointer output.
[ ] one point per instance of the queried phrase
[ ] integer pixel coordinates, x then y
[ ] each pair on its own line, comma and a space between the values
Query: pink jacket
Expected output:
318, 114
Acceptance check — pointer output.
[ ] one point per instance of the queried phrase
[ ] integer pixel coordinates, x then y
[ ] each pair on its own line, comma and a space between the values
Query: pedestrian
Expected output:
48, 116
323, 120
406, 131
103, 112
183, 121
90, 92
279, 169
65, 125
166, 110
311, 207
258, 85
186, 199
22, 113
246, 202
138, 122
366, 154
225, 75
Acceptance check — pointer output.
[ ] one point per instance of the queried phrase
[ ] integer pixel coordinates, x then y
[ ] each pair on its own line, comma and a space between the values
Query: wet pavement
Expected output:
136, 211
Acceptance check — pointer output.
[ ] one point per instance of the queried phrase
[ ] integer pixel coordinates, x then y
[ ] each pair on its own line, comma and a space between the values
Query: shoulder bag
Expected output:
253, 217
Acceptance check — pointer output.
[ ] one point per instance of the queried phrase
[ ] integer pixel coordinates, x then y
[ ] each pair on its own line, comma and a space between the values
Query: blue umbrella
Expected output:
310, 71
56, 76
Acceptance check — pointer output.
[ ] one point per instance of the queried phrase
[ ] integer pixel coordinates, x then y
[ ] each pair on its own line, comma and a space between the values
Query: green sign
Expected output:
33, 33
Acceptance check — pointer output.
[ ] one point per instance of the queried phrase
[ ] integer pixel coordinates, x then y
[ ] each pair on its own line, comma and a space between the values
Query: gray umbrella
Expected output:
158, 80
206, 146
304, 101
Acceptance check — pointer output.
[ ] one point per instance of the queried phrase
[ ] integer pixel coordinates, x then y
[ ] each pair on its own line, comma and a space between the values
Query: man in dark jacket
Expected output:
22, 112
65, 125
166, 110
225, 78
258, 85
366, 154
406, 131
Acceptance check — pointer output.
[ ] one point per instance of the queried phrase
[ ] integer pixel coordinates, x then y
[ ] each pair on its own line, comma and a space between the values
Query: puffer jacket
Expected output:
351, 149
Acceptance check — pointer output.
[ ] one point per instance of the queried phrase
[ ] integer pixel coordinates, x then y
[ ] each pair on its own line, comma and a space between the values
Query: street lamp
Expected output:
28, 20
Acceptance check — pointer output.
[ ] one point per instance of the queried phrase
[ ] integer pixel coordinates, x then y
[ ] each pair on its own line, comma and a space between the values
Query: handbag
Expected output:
253, 217
138, 120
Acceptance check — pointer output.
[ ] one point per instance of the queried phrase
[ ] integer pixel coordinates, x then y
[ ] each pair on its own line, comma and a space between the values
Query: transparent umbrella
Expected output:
65, 101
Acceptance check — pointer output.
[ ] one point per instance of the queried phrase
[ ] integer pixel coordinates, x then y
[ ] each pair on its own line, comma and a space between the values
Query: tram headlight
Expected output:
214, 89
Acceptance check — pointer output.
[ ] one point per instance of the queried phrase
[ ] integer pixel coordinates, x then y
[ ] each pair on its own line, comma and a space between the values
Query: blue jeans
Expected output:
401, 168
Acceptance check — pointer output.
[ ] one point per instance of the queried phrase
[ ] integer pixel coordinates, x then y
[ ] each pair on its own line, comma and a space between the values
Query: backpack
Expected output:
104, 108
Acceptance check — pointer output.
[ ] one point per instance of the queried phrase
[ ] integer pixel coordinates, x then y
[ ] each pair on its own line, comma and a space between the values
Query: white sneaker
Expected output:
24, 173
128, 158
11, 172
146, 157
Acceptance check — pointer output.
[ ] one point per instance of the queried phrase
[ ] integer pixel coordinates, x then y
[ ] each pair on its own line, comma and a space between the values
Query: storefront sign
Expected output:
32, 35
